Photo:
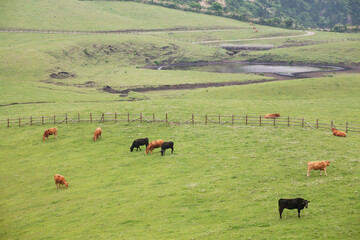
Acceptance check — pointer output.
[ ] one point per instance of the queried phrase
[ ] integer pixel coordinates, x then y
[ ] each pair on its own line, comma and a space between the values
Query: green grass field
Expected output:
222, 181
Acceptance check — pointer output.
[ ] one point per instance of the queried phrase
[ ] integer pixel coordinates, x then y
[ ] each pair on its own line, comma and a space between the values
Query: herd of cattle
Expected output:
296, 203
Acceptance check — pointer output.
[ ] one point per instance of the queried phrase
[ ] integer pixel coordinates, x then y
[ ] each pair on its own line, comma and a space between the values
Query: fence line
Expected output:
195, 119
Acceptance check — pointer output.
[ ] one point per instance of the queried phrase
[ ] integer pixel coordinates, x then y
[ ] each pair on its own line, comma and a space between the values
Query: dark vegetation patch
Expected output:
88, 84
108, 89
62, 75
11, 104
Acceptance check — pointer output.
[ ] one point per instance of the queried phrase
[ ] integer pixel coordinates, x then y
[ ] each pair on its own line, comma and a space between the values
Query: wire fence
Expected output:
164, 118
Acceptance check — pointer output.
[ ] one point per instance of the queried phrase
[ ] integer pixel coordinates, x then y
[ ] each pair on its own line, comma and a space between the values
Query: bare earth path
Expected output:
151, 31
308, 33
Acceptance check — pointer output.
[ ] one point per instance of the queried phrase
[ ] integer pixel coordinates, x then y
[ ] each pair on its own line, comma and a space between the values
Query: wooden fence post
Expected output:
347, 126
31, 121
128, 117
192, 118
274, 121
166, 117
302, 122
42, 120
19, 122
232, 119
115, 117
54, 119
141, 117
103, 117
260, 120
78, 117
90, 117
246, 119
219, 119
153, 117
205, 118
317, 123
8, 123
66, 118
332, 124
288, 121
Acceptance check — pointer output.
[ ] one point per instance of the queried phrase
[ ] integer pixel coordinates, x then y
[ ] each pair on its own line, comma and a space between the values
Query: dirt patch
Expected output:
62, 75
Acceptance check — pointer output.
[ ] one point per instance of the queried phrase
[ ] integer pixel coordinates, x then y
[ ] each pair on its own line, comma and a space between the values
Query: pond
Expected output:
250, 68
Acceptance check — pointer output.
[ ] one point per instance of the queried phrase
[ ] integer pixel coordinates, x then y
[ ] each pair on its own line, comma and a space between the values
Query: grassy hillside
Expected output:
100, 15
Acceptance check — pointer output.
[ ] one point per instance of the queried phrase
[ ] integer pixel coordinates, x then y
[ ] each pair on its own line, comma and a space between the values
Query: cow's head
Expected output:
333, 129
305, 203
327, 163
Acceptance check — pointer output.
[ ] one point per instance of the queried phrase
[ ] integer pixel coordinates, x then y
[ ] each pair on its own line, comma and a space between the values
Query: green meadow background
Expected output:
222, 181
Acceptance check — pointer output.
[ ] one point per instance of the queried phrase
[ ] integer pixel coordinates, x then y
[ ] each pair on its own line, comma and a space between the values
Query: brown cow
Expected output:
272, 115
318, 165
338, 133
153, 145
48, 132
59, 179
97, 134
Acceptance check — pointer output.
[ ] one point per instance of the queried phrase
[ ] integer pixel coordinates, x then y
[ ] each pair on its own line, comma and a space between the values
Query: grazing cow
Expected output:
48, 132
272, 115
59, 179
296, 203
97, 134
154, 144
139, 142
338, 133
317, 165
165, 146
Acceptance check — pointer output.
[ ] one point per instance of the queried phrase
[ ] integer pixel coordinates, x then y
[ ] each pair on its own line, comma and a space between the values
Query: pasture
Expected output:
222, 181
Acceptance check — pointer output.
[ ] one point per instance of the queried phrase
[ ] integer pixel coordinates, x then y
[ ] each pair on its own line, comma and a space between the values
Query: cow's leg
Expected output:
325, 172
308, 172
172, 150
320, 172
299, 213
280, 211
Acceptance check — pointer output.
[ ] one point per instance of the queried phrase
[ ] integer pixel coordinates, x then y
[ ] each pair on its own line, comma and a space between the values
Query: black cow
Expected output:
165, 146
139, 142
296, 203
